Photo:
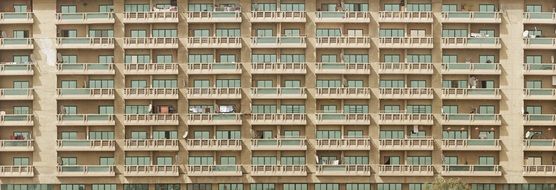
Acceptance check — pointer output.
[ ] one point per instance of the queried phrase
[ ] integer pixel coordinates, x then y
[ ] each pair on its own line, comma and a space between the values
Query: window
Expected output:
454, 33
106, 59
104, 187
291, 133
199, 186
138, 59
488, 8
20, 34
449, 8
228, 83
391, 109
419, 109
263, 160
533, 8
68, 8
194, 7
419, 160
101, 135
264, 84
356, 6
164, 160
201, 134
356, 160
201, 33
140, 135
20, 161
105, 8
69, 161
487, 32
392, 84
138, 33
486, 160
486, 109
483, 186
21, 84
291, 32
358, 186
454, 134
138, 84
165, 134
227, 160
329, 134
72, 187
327, 186
533, 59
170, 187
418, 186
533, 84
292, 108
21, 59
418, 84
263, 58
328, 83
292, 7
264, 32
263, 7
450, 109
201, 58
137, 160
533, 109
227, 58
324, 32
451, 160
418, 7
104, 33
391, 7
136, 8
201, 83
262, 186
136, 109
70, 110
392, 58
391, 134
20, 8
292, 160
264, 109
228, 32
230, 186
356, 109
136, 186
328, 58
69, 59
355, 83
165, 83
356, 58
69, 33
449, 59
419, 58
354, 134
200, 160
292, 58
97, 83
293, 186
106, 161
165, 33
225, 134
383, 33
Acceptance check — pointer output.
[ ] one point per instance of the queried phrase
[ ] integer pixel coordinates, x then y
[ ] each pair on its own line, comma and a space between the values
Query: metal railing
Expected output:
5, 16
275, 67
151, 41
155, 15
278, 117
93, 41
465, 143
151, 91
411, 41
406, 91
85, 92
348, 15
344, 40
273, 15
213, 40
471, 40
471, 15
84, 143
151, 117
406, 66
151, 143
406, 117
344, 91
84, 17
94, 67
85, 118
213, 91
410, 143
344, 142
343, 116
471, 91
471, 117
214, 142
406, 15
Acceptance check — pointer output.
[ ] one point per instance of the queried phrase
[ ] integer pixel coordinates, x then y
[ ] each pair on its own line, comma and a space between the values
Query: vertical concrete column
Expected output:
119, 84
182, 77
374, 101
436, 83
310, 84
246, 80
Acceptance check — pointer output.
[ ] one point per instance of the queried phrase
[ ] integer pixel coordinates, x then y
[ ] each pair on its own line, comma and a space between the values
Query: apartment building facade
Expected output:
277, 94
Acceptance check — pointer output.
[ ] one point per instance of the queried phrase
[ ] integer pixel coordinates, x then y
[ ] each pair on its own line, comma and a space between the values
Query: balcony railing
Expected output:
406, 118
344, 42
539, 144
278, 170
214, 118
343, 16
406, 170
344, 92
471, 42
151, 170
214, 68
16, 17
152, 144
16, 43
407, 144
151, 119
478, 119
151, 42
540, 119
214, 42
539, 17
405, 16
151, 93
89, 18
351, 118
406, 68
406, 42
85, 145
471, 17
278, 16
86, 119
214, 93
278, 93
16, 120
471, 170
343, 170
84, 42
85, 93
540, 43
151, 17
16, 94
539, 170
88, 68
16, 145
151, 68
471, 144
479, 93
214, 170
343, 68
13, 68
540, 68
270, 68
278, 42
471, 68
214, 144
347, 143
214, 16
406, 93
16, 171
86, 171
279, 144
278, 118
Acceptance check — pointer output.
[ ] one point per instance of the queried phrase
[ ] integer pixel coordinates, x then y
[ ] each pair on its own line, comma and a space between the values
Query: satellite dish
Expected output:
525, 34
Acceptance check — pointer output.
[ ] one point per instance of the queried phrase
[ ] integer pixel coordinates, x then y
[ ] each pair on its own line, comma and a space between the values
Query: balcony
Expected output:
343, 119
85, 145
278, 119
405, 17
214, 170
151, 119
151, 17
16, 94
151, 145
406, 68
214, 68
16, 120
16, 18
471, 17
214, 144
539, 170
85, 18
537, 69
343, 93
278, 42
278, 68
343, 68
278, 170
347, 143
16, 44
85, 93
214, 119
472, 68
539, 94
539, 17
16, 146
406, 42
214, 42
85, 120
471, 144
278, 93
214, 93
539, 145
278, 16
406, 93
343, 16
283, 144
540, 43
471, 93
343, 170
411, 144
85, 69
151, 170
471, 119
540, 119
84, 43
344, 42
471, 170
16, 171
151, 43
16, 69
406, 119
471, 43
214, 17
86, 171
151, 93
406, 170
151, 69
